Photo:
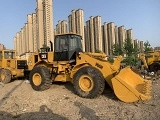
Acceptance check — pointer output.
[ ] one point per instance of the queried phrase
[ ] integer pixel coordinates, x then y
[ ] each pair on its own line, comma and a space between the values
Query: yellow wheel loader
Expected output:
87, 71
151, 60
10, 66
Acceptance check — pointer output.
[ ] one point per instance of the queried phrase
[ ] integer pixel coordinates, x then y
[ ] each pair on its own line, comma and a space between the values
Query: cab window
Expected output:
75, 42
61, 43
9, 55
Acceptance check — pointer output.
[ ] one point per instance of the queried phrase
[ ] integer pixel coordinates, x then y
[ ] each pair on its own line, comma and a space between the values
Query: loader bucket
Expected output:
130, 87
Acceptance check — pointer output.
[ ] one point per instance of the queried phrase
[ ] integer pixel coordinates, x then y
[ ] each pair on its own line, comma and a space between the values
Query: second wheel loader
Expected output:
10, 66
87, 71
151, 60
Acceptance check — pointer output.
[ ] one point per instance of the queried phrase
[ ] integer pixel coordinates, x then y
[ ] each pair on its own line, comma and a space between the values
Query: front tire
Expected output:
5, 76
40, 78
88, 82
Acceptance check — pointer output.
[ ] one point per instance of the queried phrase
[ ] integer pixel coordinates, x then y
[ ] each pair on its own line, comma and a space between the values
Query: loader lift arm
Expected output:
142, 58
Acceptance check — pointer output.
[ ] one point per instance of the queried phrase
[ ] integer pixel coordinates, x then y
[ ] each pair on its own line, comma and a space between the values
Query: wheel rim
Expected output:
86, 83
37, 79
3, 76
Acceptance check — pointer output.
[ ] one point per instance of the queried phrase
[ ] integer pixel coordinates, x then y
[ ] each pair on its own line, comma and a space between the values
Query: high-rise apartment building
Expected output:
141, 46
130, 33
34, 32
48, 22
17, 44
92, 38
116, 35
26, 37
97, 33
87, 37
80, 25
23, 40
61, 27
105, 38
76, 24
121, 35
2, 47
73, 21
30, 34
64, 26
39, 31
70, 23
157, 48
111, 36
40, 26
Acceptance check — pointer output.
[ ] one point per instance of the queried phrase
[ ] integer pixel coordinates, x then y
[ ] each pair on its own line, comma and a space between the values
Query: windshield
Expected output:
75, 42
61, 43
9, 54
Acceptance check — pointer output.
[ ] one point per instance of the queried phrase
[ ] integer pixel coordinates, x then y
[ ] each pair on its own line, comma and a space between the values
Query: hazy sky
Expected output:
143, 16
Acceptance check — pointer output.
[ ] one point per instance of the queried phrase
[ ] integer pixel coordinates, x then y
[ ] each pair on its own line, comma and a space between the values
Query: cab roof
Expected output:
67, 34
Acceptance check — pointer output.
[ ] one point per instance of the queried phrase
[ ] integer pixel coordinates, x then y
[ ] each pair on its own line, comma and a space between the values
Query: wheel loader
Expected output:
10, 66
86, 71
151, 60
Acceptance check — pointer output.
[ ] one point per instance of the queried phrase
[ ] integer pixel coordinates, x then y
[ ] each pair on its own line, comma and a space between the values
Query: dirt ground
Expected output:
18, 101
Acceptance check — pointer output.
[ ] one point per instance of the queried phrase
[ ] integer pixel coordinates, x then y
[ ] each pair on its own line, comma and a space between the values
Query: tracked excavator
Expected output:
87, 71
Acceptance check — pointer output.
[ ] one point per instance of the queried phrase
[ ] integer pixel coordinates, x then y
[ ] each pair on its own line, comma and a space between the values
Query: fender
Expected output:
76, 68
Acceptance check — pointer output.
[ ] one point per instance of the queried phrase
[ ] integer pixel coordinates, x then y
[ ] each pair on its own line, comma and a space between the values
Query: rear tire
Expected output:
88, 82
40, 78
5, 76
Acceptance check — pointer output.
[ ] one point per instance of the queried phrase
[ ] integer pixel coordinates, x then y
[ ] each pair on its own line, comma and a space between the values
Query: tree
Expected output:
98, 51
116, 50
131, 53
147, 47
136, 49
128, 47
111, 60
130, 60
44, 48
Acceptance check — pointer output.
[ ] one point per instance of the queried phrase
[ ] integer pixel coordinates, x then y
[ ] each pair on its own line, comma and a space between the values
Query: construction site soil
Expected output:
18, 101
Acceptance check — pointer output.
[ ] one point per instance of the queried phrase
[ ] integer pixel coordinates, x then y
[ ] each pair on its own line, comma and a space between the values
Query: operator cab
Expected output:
7, 54
66, 46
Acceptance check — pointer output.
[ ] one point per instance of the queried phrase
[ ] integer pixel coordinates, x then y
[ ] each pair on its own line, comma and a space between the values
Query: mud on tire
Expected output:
44, 80
97, 84
5, 76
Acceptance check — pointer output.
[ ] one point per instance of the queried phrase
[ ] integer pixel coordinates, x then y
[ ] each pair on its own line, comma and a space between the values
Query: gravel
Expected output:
18, 101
